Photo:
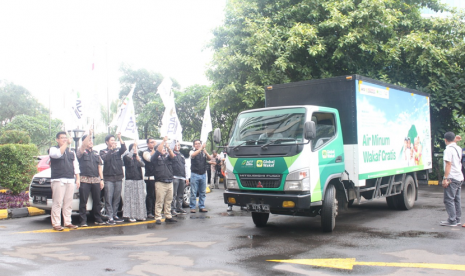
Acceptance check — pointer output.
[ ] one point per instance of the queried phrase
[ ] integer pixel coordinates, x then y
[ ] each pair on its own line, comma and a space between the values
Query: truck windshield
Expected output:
284, 126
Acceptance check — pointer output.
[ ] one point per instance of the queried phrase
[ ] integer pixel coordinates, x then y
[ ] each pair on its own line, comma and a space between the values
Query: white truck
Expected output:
319, 145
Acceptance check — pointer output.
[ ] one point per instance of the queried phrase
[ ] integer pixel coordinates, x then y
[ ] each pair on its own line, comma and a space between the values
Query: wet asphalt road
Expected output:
218, 243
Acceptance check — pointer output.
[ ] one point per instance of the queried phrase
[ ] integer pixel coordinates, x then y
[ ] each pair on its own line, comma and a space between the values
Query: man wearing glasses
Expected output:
199, 158
149, 178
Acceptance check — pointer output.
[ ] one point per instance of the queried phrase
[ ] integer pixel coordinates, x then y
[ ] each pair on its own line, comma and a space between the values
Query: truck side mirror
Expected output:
217, 136
309, 130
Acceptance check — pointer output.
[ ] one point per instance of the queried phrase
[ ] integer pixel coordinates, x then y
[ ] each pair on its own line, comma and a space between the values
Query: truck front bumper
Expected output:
275, 201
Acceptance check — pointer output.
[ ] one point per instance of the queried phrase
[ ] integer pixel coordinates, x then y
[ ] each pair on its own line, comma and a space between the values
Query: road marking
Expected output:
350, 262
90, 227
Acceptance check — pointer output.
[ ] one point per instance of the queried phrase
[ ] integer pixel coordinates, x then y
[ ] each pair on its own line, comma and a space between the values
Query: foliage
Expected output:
17, 166
38, 129
147, 103
10, 201
16, 100
15, 137
265, 42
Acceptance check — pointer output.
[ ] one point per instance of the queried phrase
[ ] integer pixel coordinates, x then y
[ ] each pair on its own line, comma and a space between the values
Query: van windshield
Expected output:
285, 126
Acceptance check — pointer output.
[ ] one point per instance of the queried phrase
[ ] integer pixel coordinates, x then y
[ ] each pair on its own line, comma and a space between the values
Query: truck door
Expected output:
329, 146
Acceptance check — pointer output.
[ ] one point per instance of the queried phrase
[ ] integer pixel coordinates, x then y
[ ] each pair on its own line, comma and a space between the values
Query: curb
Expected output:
21, 212
433, 182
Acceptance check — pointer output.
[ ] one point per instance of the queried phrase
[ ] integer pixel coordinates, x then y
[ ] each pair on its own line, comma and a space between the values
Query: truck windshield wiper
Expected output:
245, 142
277, 140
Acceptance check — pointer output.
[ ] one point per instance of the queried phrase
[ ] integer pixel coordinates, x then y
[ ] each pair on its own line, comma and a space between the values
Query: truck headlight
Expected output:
231, 182
298, 181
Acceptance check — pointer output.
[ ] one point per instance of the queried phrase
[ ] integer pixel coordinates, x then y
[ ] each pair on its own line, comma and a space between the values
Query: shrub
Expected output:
9, 201
15, 137
17, 166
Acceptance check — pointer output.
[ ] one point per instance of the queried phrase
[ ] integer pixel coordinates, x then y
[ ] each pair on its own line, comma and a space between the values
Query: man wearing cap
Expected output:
90, 165
452, 181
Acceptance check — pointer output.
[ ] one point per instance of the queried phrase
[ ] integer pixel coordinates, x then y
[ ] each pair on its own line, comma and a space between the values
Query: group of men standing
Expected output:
166, 175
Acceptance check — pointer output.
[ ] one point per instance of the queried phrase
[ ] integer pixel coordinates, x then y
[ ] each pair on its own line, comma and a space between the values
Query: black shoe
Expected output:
84, 225
181, 212
158, 221
99, 222
117, 219
170, 220
111, 222
150, 216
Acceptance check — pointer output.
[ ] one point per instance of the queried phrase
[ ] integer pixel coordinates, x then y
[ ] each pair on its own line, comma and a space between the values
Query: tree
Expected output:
147, 103
265, 42
37, 128
16, 100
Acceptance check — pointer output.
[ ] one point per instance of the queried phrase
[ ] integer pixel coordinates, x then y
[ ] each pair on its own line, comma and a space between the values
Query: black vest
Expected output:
199, 163
63, 167
179, 164
114, 165
149, 166
88, 164
133, 170
163, 167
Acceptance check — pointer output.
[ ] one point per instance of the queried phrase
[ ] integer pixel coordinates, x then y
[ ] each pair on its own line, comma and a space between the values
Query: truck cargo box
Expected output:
386, 128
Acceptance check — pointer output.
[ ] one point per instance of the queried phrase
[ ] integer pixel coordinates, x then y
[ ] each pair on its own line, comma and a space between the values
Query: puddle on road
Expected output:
405, 234
235, 214
199, 217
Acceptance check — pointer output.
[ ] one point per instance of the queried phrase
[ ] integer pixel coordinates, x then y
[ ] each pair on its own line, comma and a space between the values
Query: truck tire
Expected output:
260, 219
406, 199
329, 209
391, 202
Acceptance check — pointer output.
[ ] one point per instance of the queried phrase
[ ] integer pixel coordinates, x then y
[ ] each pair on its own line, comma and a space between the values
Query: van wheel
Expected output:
260, 219
329, 209
406, 199
186, 196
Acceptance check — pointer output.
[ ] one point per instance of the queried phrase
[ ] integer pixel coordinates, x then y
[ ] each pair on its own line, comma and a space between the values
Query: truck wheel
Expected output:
406, 199
329, 210
391, 202
260, 219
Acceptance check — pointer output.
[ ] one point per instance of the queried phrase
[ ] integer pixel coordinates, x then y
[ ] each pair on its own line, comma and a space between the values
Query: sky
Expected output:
49, 46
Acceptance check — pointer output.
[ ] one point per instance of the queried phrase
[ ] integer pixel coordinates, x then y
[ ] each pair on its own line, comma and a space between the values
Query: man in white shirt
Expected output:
452, 181
65, 167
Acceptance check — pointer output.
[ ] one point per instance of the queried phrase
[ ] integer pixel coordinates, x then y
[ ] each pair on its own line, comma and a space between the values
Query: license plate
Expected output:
259, 208
40, 199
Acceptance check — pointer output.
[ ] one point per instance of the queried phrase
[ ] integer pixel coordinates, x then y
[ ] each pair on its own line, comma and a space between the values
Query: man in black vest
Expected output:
198, 175
181, 174
113, 176
90, 165
65, 167
164, 182
149, 178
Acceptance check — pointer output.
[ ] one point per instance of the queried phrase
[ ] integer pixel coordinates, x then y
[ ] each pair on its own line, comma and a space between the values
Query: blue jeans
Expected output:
112, 197
198, 183
452, 201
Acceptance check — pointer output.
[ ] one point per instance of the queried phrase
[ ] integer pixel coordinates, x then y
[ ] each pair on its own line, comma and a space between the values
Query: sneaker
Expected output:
447, 223
181, 212
170, 220
142, 219
99, 222
111, 222
158, 221
117, 219
150, 216
174, 214
132, 220
84, 225
192, 210
459, 223
229, 208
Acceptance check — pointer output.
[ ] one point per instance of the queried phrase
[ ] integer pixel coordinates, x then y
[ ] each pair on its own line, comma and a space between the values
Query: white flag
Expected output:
76, 111
126, 118
206, 124
170, 125
164, 89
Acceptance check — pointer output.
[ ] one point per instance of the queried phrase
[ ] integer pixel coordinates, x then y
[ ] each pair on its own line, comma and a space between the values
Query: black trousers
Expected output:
84, 190
150, 198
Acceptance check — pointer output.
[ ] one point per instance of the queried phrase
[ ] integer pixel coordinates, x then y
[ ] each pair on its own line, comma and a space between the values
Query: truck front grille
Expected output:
260, 180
